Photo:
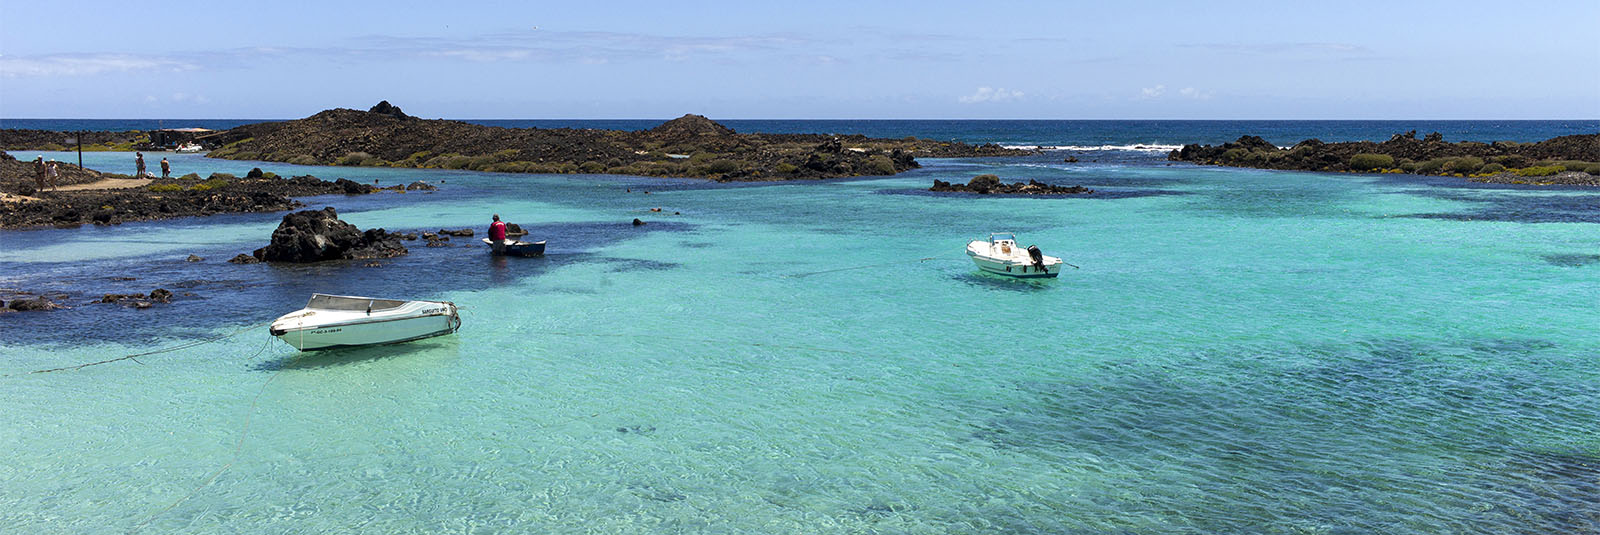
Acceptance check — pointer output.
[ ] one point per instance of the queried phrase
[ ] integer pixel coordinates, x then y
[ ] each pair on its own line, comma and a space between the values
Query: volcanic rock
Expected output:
317, 235
990, 184
36, 303
385, 108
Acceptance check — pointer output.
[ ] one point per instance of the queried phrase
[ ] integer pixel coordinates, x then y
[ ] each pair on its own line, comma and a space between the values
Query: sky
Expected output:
819, 59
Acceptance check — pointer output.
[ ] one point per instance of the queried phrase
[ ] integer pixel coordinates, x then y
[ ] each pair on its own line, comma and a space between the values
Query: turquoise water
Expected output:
1241, 352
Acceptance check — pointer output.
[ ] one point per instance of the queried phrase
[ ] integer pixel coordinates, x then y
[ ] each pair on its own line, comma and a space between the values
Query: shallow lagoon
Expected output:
1241, 351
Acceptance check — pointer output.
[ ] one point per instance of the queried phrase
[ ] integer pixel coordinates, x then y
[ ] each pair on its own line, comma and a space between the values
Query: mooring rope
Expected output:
919, 260
702, 340
135, 357
237, 447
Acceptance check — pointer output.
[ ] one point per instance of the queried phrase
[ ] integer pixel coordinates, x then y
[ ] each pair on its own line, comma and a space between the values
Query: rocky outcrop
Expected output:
32, 304
385, 108
991, 184
318, 235
169, 198
420, 185
690, 146
1404, 153
141, 301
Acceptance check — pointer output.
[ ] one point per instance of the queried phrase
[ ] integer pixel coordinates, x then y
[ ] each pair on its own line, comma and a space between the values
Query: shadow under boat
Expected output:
344, 356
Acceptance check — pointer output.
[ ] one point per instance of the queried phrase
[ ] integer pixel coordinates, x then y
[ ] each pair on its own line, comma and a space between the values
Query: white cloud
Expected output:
87, 64
185, 98
991, 94
1196, 94
1152, 92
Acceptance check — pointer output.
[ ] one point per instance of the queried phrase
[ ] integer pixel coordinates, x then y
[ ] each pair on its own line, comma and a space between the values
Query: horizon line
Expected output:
1596, 119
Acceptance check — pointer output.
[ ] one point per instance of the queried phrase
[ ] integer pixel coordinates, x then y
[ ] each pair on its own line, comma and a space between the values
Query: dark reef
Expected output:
991, 184
1565, 160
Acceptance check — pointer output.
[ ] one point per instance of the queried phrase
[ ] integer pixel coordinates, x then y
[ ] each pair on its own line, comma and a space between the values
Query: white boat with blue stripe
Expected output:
1000, 255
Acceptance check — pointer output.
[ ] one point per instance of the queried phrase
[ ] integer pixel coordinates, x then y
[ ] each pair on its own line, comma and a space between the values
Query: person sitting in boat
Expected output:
497, 234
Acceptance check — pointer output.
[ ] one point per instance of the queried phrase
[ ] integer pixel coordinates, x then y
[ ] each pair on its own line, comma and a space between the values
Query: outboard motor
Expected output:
1037, 256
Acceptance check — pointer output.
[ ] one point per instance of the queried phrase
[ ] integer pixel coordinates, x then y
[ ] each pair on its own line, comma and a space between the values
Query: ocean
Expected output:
1070, 134
1238, 351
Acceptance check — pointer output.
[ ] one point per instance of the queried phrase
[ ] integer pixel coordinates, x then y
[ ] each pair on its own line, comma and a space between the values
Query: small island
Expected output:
1566, 160
691, 146
991, 184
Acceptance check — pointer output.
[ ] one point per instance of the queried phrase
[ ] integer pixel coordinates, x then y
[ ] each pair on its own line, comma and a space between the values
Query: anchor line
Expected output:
238, 446
134, 357
919, 260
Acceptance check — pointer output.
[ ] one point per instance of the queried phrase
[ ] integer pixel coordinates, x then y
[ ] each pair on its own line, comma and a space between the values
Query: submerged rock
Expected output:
991, 184
420, 185
244, 259
33, 304
317, 235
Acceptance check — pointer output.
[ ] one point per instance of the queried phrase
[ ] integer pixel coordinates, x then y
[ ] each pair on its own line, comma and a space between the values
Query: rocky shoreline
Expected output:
165, 199
1566, 160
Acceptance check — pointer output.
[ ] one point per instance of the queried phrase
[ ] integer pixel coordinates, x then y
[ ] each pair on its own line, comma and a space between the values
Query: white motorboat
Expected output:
189, 147
330, 321
1000, 255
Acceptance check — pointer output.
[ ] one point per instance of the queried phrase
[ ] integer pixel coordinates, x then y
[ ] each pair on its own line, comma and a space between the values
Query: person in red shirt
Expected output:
497, 234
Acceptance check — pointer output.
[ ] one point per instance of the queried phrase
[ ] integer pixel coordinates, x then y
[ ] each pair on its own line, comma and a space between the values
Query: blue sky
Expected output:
819, 59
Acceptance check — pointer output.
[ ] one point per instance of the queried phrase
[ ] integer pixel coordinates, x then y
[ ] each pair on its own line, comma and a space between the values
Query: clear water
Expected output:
1241, 352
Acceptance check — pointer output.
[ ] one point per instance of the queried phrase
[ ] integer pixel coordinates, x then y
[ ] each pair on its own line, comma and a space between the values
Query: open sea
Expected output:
1239, 351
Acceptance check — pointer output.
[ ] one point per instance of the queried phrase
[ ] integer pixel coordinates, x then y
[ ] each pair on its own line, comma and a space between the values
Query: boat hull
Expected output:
363, 332
1006, 260
1022, 271
521, 248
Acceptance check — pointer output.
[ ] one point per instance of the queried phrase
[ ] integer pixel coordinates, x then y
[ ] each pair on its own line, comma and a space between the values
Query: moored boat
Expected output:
330, 321
190, 147
1000, 255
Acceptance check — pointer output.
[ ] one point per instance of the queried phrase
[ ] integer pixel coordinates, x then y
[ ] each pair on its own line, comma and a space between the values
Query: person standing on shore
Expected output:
497, 234
138, 164
52, 174
166, 168
38, 172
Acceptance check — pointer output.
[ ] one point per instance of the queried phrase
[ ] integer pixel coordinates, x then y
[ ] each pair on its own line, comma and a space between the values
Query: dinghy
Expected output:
1000, 255
330, 321
510, 247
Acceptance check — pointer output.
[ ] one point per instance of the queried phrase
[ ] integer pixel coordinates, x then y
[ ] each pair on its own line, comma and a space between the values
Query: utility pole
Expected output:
80, 149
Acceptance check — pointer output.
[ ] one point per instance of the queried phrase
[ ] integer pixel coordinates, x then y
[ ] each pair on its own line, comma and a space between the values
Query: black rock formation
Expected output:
385, 108
991, 184
317, 235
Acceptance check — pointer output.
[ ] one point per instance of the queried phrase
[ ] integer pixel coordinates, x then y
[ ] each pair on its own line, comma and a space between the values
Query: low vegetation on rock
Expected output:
1569, 160
689, 146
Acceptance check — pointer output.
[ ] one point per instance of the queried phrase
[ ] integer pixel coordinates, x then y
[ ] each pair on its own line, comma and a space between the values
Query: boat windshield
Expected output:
341, 302
998, 236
